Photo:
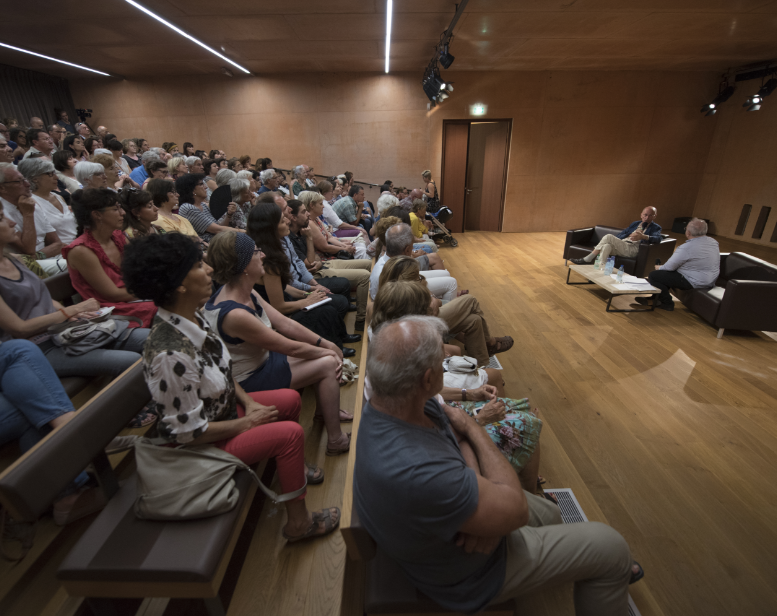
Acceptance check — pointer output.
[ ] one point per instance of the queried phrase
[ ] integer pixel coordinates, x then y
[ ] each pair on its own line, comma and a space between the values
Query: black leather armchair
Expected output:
580, 242
744, 297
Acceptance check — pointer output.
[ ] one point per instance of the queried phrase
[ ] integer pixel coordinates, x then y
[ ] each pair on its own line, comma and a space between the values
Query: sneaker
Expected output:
579, 261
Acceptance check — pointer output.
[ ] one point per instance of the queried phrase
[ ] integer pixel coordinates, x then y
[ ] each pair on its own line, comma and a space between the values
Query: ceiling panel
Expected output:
348, 35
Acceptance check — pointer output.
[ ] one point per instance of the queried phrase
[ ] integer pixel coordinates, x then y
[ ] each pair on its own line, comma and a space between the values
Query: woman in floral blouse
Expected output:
188, 371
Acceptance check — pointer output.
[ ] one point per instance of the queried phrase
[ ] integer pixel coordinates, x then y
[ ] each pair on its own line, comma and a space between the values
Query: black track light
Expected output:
756, 100
446, 57
722, 97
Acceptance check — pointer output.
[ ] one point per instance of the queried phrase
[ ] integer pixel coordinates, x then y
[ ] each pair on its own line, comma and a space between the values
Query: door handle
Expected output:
467, 189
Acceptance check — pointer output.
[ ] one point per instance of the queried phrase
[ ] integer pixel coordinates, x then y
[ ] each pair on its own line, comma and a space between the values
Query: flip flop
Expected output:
636, 577
331, 521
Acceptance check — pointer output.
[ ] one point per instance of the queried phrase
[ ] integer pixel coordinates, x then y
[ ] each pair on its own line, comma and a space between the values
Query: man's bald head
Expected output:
398, 239
416, 193
401, 352
649, 214
37, 123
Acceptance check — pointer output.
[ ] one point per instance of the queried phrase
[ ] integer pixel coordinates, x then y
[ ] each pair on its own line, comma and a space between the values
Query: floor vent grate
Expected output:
493, 362
572, 513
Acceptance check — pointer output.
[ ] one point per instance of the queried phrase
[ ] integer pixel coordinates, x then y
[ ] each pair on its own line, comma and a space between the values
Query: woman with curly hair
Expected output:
140, 212
514, 429
94, 258
266, 226
188, 370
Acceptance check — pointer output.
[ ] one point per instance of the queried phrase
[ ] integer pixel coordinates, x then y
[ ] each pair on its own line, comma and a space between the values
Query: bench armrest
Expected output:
749, 304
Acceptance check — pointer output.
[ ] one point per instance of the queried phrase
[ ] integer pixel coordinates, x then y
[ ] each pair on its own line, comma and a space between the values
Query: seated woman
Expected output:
176, 167
75, 144
94, 258
513, 428
140, 212
92, 143
42, 177
130, 156
266, 226
462, 315
32, 403
210, 169
418, 222
27, 311
326, 244
64, 163
91, 175
191, 196
165, 199
188, 370
156, 170
115, 179
270, 351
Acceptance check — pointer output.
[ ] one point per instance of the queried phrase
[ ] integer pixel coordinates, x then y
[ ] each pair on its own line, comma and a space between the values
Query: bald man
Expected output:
37, 123
407, 203
626, 243
102, 132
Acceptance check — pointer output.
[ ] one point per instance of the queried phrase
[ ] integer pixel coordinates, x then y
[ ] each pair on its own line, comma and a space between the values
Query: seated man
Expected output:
693, 265
270, 181
439, 498
349, 209
399, 241
40, 143
407, 202
626, 243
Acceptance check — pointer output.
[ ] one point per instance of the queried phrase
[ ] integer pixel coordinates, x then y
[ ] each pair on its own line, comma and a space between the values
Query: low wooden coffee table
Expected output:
606, 282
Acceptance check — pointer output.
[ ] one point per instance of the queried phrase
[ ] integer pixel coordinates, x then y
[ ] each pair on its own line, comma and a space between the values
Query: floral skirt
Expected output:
517, 435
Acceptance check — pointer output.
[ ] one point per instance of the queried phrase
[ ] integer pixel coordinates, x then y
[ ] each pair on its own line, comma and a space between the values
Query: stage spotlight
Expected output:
753, 103
449, 87
442, 96
446, 57
722, 97
430, 88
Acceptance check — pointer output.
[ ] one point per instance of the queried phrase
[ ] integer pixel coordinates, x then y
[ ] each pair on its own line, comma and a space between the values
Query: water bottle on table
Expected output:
597, 263
609, 265
619, 277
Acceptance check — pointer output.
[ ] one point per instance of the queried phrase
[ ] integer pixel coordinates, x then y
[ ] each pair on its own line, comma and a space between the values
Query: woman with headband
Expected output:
188, 370
270, 351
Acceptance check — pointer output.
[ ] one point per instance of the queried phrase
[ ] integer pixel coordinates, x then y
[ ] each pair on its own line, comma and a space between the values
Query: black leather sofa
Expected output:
580, 242
744, 296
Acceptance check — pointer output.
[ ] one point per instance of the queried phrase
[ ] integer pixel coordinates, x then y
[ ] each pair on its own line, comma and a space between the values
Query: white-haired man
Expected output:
270, 181
626, 243
139, 174
439, 499
693, 265
83, 130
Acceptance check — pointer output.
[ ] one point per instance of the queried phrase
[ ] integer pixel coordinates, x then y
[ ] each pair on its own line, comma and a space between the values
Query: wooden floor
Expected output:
662, 430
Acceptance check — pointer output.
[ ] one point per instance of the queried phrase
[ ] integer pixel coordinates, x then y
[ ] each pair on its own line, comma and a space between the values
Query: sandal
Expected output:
636, 577
551, 497
314, 474
142, 419
336, 451
462, 292
505, 343
345, 417
327, 517
541, 481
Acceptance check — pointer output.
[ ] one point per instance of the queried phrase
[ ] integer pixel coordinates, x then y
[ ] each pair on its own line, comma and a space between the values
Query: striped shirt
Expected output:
200, 219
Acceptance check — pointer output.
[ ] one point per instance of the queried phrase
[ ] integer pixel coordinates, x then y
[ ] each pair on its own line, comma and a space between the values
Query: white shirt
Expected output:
375, 275
64, 222
42, 224
331, 216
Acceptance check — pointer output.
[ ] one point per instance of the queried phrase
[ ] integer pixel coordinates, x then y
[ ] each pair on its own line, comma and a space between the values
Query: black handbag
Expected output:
344, 255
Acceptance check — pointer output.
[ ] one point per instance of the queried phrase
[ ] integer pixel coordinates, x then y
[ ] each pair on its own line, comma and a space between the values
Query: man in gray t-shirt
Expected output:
437, 496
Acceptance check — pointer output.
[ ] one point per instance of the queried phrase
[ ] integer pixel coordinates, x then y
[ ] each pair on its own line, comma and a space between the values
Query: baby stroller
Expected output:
439, 217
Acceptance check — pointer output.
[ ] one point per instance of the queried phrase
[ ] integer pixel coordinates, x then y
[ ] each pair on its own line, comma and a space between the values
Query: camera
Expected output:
83, 114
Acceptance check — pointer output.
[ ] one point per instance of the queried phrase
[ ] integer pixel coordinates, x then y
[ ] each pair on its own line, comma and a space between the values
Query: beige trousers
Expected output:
610, 245
547, 552
464, 315
357, 271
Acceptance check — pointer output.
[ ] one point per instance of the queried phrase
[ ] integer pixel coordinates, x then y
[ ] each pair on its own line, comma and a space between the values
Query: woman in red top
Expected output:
94, 257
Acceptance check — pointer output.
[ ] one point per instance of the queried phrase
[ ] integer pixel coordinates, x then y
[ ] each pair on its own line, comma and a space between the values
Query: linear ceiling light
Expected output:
40, 55
189, 36
389, 10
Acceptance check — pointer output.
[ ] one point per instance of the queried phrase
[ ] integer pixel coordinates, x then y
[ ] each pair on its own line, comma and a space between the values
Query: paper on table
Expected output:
630, 287
631, 279
323, 301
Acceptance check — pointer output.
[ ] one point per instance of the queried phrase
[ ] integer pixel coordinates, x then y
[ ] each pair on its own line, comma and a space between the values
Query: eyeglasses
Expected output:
257, 251
51, 174
16, 182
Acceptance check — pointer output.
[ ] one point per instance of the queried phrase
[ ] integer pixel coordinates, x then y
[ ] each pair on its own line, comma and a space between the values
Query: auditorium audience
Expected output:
349, 209
140, 173
91, 144
188, 371
165, 199
35, 236
91, 175
210, 169
341, 229
176, 167
156, 170
693, 265
94, 258
441, 500
117, 150
267, 226
19, 137
270, 351
299, 174
426, 261
399, 241
269, 179
42, 177
407, 203
194, 164
83, 130
75, 144
114, 178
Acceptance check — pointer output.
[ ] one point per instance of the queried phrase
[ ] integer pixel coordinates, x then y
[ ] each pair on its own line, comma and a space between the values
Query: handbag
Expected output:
187, 483
463, 373
84, 335
344, 255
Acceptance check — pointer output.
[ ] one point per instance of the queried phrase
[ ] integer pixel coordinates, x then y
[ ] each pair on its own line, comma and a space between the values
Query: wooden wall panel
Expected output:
494, 170
455, 145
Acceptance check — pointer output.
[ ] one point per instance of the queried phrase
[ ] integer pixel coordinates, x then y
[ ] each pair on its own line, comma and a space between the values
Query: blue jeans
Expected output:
30, 394
30, 397
100, 362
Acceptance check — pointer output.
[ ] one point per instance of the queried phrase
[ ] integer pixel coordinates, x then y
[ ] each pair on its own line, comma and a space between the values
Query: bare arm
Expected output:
320, 242
19, 328
53, 245
272, 284
85, 262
